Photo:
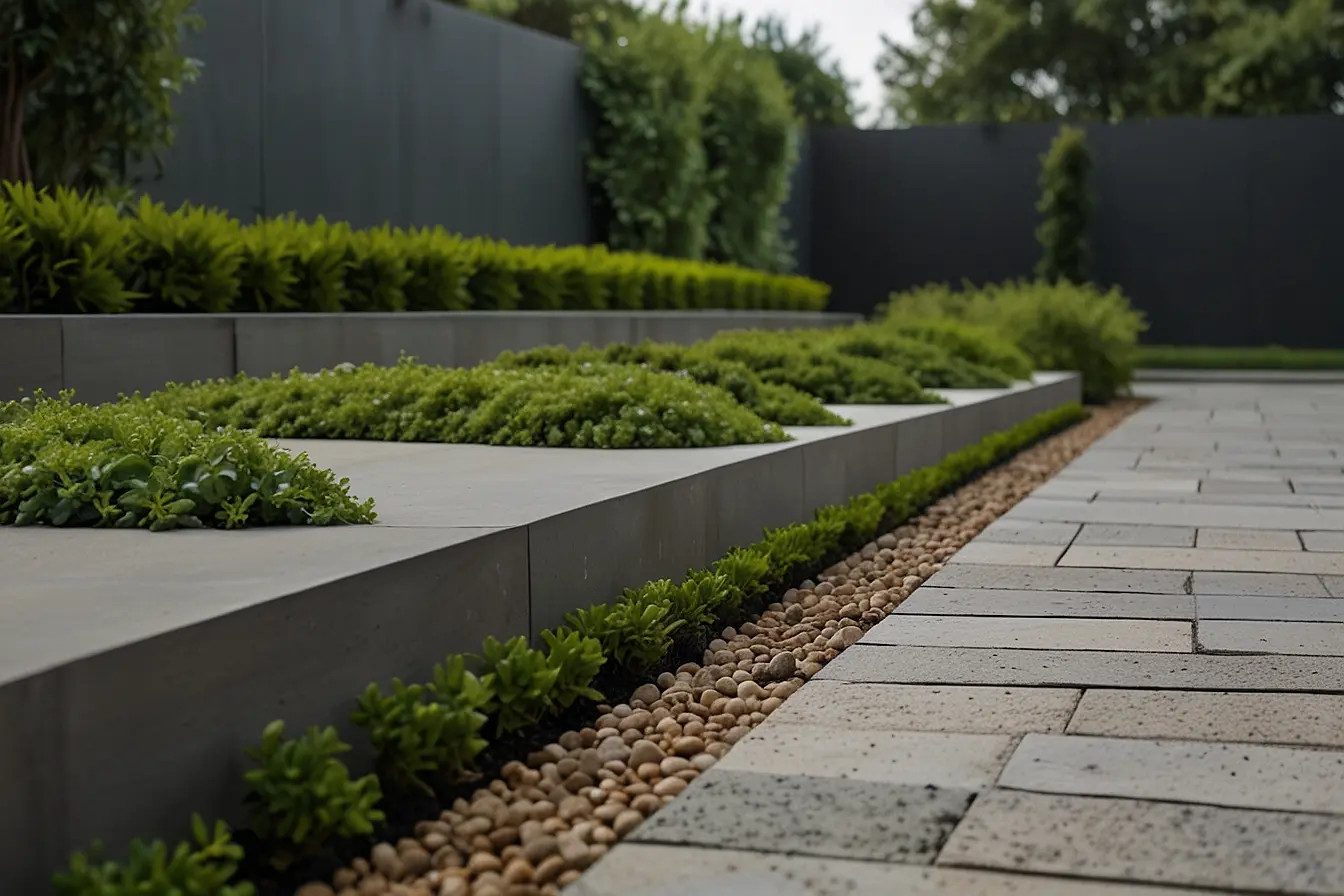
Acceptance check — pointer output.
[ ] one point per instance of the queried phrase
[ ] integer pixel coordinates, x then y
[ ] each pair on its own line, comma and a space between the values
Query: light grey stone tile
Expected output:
1180, 513
1199, 559
1035, 633
989, 552
804, 815
1303, 638
1249, 539
652, 870
1099, 837
1255, 584
1241, 487
968, 761
1308, 719
1084, 668
1309, 486
1334, 585
1249, 776
1274, 609
1018, 602
972, 710
1323, 541
1126, 581
1012, 532
1150, 536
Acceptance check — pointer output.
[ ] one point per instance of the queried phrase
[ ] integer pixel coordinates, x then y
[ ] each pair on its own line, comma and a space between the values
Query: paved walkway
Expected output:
1133, 683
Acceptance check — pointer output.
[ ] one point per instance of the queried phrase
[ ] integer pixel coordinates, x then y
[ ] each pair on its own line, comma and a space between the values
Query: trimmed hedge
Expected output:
977, 344
602, 406
62, 252
931, 365
636, 634
1269, 357
64, 464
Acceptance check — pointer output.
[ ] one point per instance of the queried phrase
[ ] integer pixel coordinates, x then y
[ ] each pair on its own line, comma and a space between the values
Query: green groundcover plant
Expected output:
65, 252
67, 464
612, 406
1269, 357
932, 365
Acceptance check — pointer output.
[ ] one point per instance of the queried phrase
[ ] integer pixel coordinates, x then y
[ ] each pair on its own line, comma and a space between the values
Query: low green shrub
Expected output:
977, 344
774, 402
1060, 326
301, 794
601, 407
576, 661
63, 252
520, 680
127, 465
1268, 357
635, 632
932, 366
205, 866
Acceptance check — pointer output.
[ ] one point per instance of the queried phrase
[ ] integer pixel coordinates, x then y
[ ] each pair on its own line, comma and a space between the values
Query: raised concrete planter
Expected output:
135, 668
102, 356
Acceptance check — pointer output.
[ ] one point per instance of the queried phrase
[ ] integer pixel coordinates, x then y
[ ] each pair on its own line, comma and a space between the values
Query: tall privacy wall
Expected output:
408, 111
1225, 231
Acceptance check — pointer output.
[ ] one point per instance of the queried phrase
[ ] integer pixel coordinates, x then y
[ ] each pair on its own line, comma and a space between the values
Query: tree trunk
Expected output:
13, 152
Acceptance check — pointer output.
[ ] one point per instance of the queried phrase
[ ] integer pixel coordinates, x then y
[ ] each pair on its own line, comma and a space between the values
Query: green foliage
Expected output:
1066, 208
604, 406
521, 682
576, 661
821, 93
1060, 326
301, 795
978, 344
932, 366
89, 87
1023, 60
63, 252
425, 729
1270, 357
128, 465
204, 867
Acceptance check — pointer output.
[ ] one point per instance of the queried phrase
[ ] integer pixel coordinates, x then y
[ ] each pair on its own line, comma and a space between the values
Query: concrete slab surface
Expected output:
1180, 513
1257, 584
1020, 602
1035, 633
1323, 541
1274, 609
1252, 539
980, 575
1200, 559
970, 710
1318, 639
1149, 536
1307, 719
1009, 532
1008, 554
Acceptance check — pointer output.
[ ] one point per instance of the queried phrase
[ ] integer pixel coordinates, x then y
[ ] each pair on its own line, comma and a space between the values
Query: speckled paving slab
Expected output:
1054, 578
1278, 609
1276, 718
1031, 632
1314, 639
1020, 602
1200, 559
652, 870
809, 816
1261, 584
898, 707
1170, 843
1008, 554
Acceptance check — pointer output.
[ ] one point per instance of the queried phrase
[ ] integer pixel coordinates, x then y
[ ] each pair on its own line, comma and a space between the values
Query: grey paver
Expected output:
1249, 539
1274, 609
656, 870
1317, 639
1037, 633
973, 710
1179, 513
1018, 602
1200, 559
1085, 668
1008, 554
1324, 541
1251, 776
1238, 487
822, 816
1212, 715
1099, 837
1011, 532
1151, 536
1127, 581
1257, 584
1334, 585
969, 761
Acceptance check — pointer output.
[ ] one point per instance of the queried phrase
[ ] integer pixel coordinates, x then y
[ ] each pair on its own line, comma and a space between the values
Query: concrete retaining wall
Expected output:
101, 356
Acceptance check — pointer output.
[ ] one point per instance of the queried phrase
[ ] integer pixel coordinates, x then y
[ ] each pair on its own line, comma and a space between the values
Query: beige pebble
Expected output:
454, 886
549, 869
669, 787
518, 871
481, 862
646, 803
315, 889
373, 885
688, 746
627, 821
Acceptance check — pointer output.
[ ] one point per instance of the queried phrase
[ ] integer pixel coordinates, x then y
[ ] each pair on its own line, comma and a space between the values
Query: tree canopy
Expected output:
821, 95
1108, 60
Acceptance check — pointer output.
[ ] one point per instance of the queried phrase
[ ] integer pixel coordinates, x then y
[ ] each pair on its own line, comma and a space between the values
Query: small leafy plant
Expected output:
520, 680
576, 661
301, 795
204, 867
635, 632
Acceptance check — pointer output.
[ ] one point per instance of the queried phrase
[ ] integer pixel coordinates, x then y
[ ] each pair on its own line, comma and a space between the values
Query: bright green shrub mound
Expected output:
833, 377
65, 464
604, 406
771, 401
1060, 326
62, 252
979, 345
932, 366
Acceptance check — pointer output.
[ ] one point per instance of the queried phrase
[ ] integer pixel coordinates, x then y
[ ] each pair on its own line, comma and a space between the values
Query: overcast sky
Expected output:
851, 28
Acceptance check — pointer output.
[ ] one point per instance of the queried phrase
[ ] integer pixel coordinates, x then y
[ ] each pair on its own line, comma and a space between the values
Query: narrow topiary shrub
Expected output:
1065, 208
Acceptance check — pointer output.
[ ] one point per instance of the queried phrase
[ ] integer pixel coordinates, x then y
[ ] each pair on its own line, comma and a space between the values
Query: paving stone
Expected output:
653, 870
1177, 513
1334, 585
805, 815
1323, 541
1250, 776
1099, 837
1084, 668
968, 761
1274, 609
1017, 631
1250, 539
1212, 559
1295, 500
1311, 719
1256, 584
1308, 486
1238, 487
1011, 532
1304, 638
1151, 536
1018, 602
972, 710
1127, 581
1008, 554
